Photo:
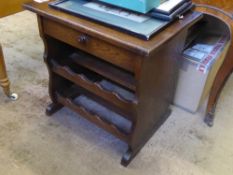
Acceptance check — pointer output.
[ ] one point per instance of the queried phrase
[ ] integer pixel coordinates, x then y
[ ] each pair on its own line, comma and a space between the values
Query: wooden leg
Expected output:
4, 82
54, 83
209, 118
52, 108
132, 151
130, 154
127, 157
219, 82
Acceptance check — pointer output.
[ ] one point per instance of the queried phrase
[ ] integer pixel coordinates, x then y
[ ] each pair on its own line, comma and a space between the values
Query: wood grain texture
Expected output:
93, 45
226, 5
105, 69
153, 65
10, 7
4, 82
227, 67
112, 36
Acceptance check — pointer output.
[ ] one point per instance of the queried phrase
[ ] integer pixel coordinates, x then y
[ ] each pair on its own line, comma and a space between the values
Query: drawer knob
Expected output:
82, 38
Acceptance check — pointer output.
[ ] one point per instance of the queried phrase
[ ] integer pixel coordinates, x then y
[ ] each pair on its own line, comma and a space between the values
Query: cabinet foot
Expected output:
133, 151
128, 157
209, 119
52, 108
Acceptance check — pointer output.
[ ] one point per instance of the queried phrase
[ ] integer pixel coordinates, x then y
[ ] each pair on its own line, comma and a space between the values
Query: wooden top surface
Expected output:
226, 5
10, 7
121, 39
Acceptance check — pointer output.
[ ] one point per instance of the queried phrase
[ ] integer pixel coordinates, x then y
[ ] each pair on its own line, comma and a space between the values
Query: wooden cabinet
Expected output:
132, 78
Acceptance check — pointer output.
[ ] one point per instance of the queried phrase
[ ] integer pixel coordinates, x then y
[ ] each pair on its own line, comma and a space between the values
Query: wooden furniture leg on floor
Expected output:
219, 82
225, 13
4, 81
3, 75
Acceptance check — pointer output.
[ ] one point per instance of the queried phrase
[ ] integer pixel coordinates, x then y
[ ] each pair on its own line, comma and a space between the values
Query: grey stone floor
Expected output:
66, 144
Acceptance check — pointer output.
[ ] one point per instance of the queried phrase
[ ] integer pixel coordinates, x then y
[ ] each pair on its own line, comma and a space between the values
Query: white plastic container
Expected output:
194, 83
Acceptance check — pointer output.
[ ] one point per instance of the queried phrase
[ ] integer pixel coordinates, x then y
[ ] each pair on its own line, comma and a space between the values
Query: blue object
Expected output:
142, 6
138, 25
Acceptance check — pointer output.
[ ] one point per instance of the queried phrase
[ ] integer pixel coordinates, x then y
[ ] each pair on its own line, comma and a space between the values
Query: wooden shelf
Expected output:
118, 131
94, 87
105, 69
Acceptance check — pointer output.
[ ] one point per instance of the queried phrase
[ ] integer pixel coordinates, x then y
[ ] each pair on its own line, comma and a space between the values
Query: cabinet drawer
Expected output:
110, 53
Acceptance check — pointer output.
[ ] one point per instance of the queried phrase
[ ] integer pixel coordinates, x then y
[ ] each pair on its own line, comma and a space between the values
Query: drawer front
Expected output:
110, 53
